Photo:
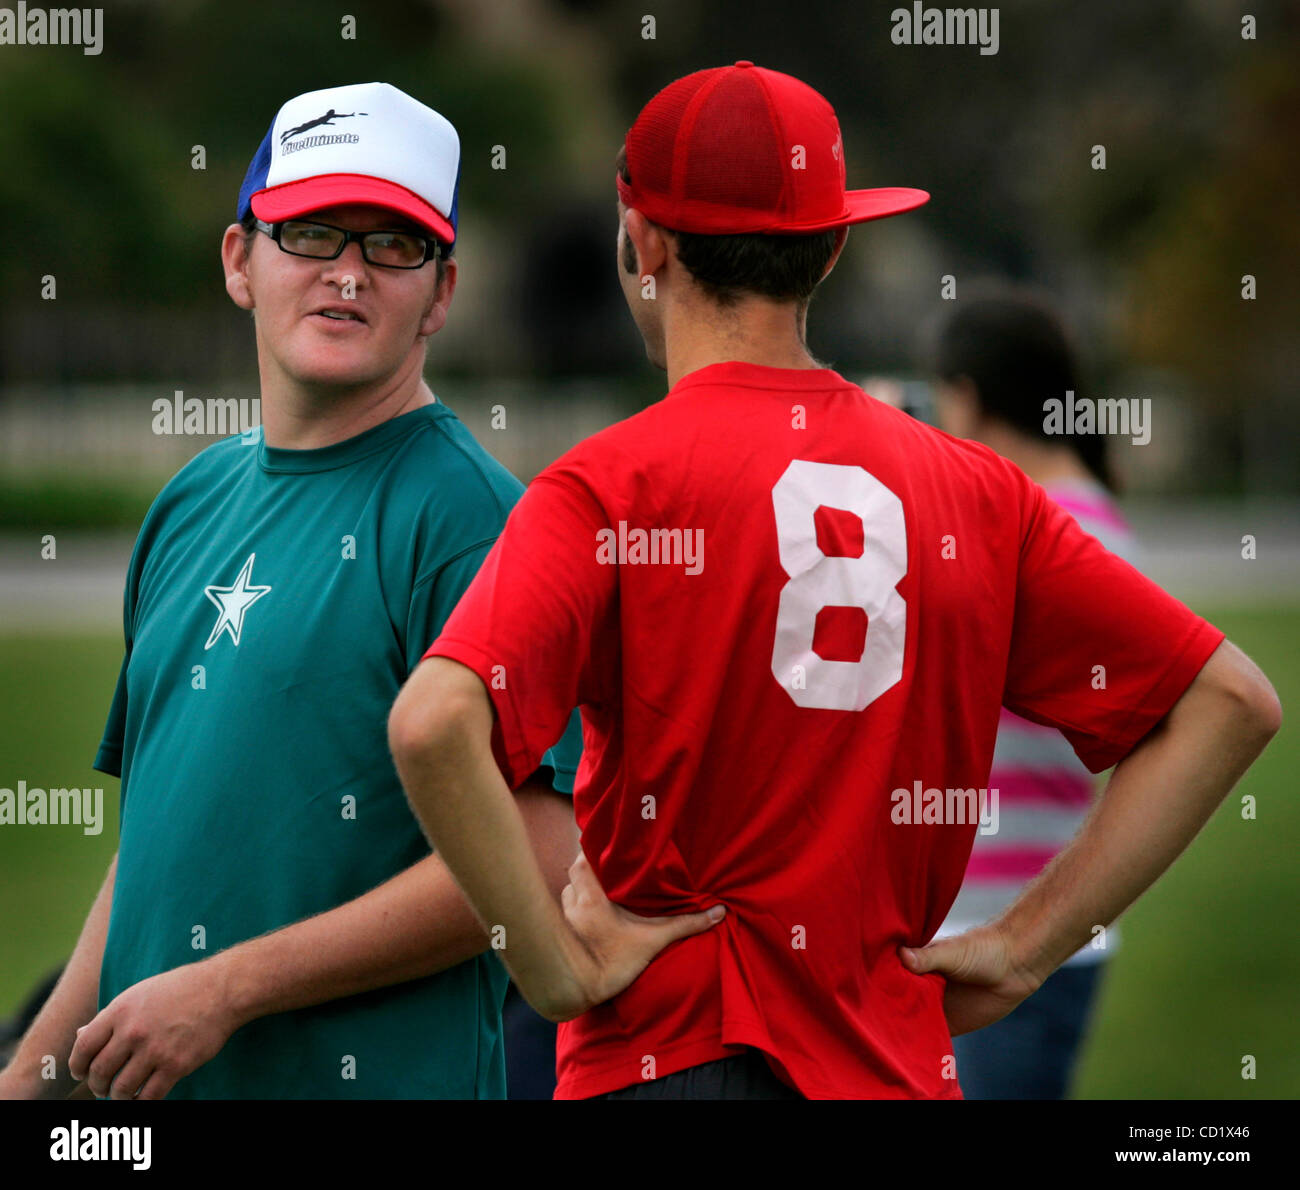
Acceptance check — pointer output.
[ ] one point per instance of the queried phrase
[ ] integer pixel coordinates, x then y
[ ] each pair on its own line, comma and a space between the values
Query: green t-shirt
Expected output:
275, 603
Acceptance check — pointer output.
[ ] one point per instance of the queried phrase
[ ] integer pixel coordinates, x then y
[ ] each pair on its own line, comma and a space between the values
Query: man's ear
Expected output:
435, 314
841, 236
235, 252
650, 242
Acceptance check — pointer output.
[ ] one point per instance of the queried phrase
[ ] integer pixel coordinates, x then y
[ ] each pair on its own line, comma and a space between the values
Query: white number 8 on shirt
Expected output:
818, 581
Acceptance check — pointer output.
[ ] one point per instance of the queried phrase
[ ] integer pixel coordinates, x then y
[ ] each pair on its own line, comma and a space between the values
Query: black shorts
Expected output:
742, 1076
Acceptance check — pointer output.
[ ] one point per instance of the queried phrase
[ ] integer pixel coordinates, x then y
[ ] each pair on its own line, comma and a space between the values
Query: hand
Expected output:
154, 1034
985, 981
617, 944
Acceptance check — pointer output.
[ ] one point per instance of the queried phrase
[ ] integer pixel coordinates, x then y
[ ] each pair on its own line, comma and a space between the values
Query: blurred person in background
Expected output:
999, 355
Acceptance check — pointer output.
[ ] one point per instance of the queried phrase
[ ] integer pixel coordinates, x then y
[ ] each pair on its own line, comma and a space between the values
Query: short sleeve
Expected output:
108, 758
435, 597
531, 623
432, 602
1097, 649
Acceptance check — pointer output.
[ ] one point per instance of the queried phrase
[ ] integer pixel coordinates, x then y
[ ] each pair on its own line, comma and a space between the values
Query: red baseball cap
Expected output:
744, 149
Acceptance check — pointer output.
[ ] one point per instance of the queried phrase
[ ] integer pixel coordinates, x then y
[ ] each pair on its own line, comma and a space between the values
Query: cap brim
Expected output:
863, 205
293, 199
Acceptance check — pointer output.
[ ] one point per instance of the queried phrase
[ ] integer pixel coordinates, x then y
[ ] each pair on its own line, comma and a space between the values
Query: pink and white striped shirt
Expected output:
1044, 790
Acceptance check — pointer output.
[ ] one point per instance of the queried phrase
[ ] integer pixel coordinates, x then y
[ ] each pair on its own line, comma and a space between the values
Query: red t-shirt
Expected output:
842, 601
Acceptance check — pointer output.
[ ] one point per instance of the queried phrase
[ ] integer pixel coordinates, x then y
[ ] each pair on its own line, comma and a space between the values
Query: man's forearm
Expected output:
416, 924
462, 799
1157, 800
564, 962
70, 1005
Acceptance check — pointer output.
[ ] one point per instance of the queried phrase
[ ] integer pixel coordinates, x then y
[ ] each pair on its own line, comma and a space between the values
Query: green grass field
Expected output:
1208, 970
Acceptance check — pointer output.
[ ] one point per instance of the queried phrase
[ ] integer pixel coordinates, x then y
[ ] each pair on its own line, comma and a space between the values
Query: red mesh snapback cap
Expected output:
744, 149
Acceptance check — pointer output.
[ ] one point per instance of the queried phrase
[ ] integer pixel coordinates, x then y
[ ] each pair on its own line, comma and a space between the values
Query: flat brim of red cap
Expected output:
863, 205
294, 199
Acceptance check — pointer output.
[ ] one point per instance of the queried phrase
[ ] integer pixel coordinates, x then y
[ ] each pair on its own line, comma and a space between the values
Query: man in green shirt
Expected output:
274, 924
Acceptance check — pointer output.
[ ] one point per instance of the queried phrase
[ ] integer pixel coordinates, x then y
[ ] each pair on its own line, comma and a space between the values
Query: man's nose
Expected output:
349, 263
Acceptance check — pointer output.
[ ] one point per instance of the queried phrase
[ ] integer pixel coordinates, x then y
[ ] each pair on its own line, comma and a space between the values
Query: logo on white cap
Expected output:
320, 121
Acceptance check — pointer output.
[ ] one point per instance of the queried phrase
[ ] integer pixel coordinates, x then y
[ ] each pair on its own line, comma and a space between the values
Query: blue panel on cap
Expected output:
455, 202
255, 179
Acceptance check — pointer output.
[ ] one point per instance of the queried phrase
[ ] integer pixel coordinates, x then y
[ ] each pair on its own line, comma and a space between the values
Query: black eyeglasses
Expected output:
388, 249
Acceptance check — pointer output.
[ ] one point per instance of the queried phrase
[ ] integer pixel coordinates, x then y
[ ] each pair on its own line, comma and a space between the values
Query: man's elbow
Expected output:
413, 731
1264, 708
431, 716
1254, 704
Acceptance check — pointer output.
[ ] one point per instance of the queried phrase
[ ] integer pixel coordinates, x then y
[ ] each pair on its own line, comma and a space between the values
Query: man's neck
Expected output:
299, 417
770, 334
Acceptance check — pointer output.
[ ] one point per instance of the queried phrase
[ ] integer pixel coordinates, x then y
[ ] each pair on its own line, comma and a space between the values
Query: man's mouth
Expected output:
334, 314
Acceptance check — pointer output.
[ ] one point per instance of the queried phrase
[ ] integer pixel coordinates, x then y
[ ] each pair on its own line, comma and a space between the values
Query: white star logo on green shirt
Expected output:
233, 603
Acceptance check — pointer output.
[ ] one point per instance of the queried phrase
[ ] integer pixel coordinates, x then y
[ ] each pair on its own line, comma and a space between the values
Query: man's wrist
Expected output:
22, 1079
1027, 957
556, 986
236, 987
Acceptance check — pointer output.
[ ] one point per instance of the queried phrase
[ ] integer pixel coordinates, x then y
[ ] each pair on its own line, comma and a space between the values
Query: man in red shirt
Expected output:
790, 615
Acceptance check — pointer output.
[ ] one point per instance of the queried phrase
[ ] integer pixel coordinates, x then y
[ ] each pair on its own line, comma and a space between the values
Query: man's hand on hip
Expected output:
618, 943
984, 980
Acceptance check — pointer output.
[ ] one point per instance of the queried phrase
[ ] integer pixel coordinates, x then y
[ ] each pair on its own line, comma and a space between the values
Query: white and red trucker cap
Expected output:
368, 144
